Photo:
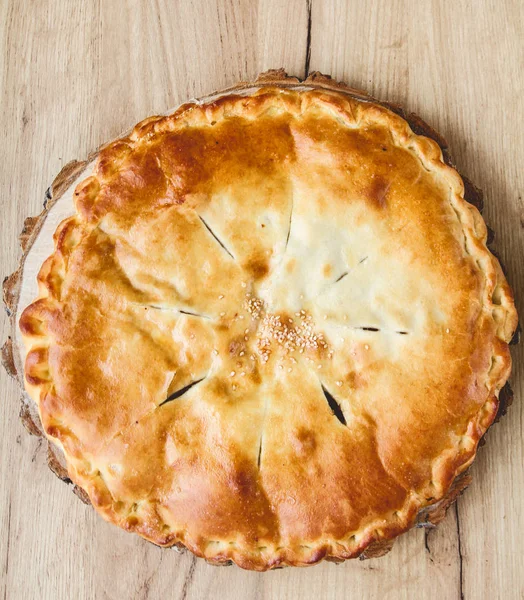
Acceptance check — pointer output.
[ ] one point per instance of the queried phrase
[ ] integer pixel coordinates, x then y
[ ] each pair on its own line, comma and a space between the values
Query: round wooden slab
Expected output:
36, 239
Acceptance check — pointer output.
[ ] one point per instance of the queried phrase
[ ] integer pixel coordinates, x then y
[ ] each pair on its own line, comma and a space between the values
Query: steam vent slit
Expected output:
216, 237
172, 309
334, 406
290, 222
193, 314
181, 391
259, 457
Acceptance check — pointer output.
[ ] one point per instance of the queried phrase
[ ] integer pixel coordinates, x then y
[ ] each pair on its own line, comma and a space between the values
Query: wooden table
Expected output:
76, 74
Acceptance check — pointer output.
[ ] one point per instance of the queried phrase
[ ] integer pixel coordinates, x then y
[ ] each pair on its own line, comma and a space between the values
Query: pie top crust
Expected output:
272, 332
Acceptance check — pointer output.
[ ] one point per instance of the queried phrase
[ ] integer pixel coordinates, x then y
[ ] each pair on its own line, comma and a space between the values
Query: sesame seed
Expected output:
221, 296
215, 352
222, 314
243, 374
319, 366
289, 370
339, 383
232, 374
243, 284
366, 347
447, 330
241, 353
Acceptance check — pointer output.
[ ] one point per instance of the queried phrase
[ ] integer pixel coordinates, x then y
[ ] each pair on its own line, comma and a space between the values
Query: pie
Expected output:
272, 331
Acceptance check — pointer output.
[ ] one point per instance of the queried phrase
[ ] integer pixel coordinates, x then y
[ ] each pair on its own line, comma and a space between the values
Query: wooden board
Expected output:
77, 74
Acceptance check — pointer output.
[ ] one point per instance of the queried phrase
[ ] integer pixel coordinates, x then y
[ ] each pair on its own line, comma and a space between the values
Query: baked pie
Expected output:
272, 331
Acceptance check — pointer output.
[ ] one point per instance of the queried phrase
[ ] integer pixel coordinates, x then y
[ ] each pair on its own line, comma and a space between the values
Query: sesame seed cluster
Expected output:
291, 333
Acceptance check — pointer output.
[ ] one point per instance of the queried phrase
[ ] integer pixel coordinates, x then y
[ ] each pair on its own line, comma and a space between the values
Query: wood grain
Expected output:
74, 75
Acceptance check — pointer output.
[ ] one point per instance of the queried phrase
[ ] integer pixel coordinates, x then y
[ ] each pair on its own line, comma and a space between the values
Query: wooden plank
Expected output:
44, 111
74, 76
47, 120
283, 35
159, 59
440, 60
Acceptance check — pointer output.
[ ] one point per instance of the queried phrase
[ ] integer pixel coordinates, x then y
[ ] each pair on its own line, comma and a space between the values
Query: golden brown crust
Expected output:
140, 300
